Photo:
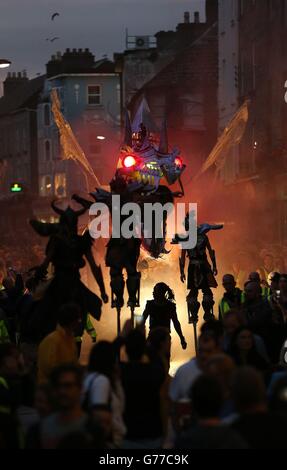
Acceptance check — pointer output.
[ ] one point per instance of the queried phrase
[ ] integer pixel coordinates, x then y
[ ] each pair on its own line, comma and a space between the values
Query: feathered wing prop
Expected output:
232, 135
71, 148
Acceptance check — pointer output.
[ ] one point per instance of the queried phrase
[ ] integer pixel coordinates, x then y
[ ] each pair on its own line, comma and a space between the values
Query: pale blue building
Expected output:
90, 92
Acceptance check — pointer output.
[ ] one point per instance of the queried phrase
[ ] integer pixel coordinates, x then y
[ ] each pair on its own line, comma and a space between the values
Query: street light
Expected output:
4, 63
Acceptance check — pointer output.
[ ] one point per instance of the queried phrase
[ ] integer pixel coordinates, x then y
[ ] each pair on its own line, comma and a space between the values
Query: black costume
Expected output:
66, 251
200, 275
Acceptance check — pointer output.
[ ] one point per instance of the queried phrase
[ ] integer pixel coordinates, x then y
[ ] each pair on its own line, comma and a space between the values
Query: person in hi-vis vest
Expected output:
233, 296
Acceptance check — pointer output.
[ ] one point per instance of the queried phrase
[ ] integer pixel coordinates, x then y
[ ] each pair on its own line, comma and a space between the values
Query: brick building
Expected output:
146, 56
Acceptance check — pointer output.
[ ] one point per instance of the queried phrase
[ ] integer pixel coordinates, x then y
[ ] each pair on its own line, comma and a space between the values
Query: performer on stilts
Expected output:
201, 276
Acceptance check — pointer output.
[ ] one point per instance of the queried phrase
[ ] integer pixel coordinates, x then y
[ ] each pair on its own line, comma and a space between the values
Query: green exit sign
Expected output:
16, 188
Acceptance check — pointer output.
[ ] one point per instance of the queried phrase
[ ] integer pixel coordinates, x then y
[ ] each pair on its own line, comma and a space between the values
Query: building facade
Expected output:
18, 134
262, 172
228, 77
146, 56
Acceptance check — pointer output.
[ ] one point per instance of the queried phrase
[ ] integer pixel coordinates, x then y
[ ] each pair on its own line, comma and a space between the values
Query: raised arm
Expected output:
182, 265
98, 275
177, 327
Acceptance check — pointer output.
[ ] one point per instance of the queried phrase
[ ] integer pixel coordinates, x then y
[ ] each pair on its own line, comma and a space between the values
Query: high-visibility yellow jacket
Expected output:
225, 306
89, 328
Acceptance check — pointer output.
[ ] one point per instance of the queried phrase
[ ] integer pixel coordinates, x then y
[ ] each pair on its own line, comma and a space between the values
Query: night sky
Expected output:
97, 24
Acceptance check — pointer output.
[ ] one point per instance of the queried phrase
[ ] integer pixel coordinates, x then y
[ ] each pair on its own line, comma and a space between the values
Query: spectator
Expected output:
44, 406
222, 368
281, 372
66, 383
162, 310
231, 323
43, 401
208, 346
214, 328
267, 268
255, 277
59, 347
102, 394
142, 381
232, 298
258, 315
243, 350
208, 433
256, 425
282, 301
273, 282
257, 310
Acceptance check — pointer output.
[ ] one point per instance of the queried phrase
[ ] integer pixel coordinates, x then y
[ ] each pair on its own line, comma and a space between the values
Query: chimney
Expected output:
13, 81
165, 39
186, 17
196, 17
211, 11
72, 61
53, 67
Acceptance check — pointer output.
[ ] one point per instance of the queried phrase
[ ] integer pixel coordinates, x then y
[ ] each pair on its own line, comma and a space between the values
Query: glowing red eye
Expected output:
129, 161
178, 162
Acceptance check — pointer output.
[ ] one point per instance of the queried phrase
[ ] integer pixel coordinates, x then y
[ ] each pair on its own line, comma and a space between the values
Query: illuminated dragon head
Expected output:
143, 163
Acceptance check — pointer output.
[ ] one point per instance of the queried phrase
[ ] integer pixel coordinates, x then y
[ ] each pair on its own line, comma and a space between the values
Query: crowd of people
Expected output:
231, 395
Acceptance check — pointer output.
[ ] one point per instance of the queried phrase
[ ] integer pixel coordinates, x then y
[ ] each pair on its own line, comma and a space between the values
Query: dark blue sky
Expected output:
97, 24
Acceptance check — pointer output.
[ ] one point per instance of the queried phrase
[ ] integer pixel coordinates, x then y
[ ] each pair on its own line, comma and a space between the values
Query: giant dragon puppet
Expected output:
143, 166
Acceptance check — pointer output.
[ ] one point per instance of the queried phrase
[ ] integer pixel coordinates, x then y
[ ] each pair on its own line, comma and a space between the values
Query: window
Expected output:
60, 185
47, 150
47, 115
94, 94
45, 185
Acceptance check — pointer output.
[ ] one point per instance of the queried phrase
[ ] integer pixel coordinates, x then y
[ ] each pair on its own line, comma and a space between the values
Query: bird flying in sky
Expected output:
52, 39
54, 16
